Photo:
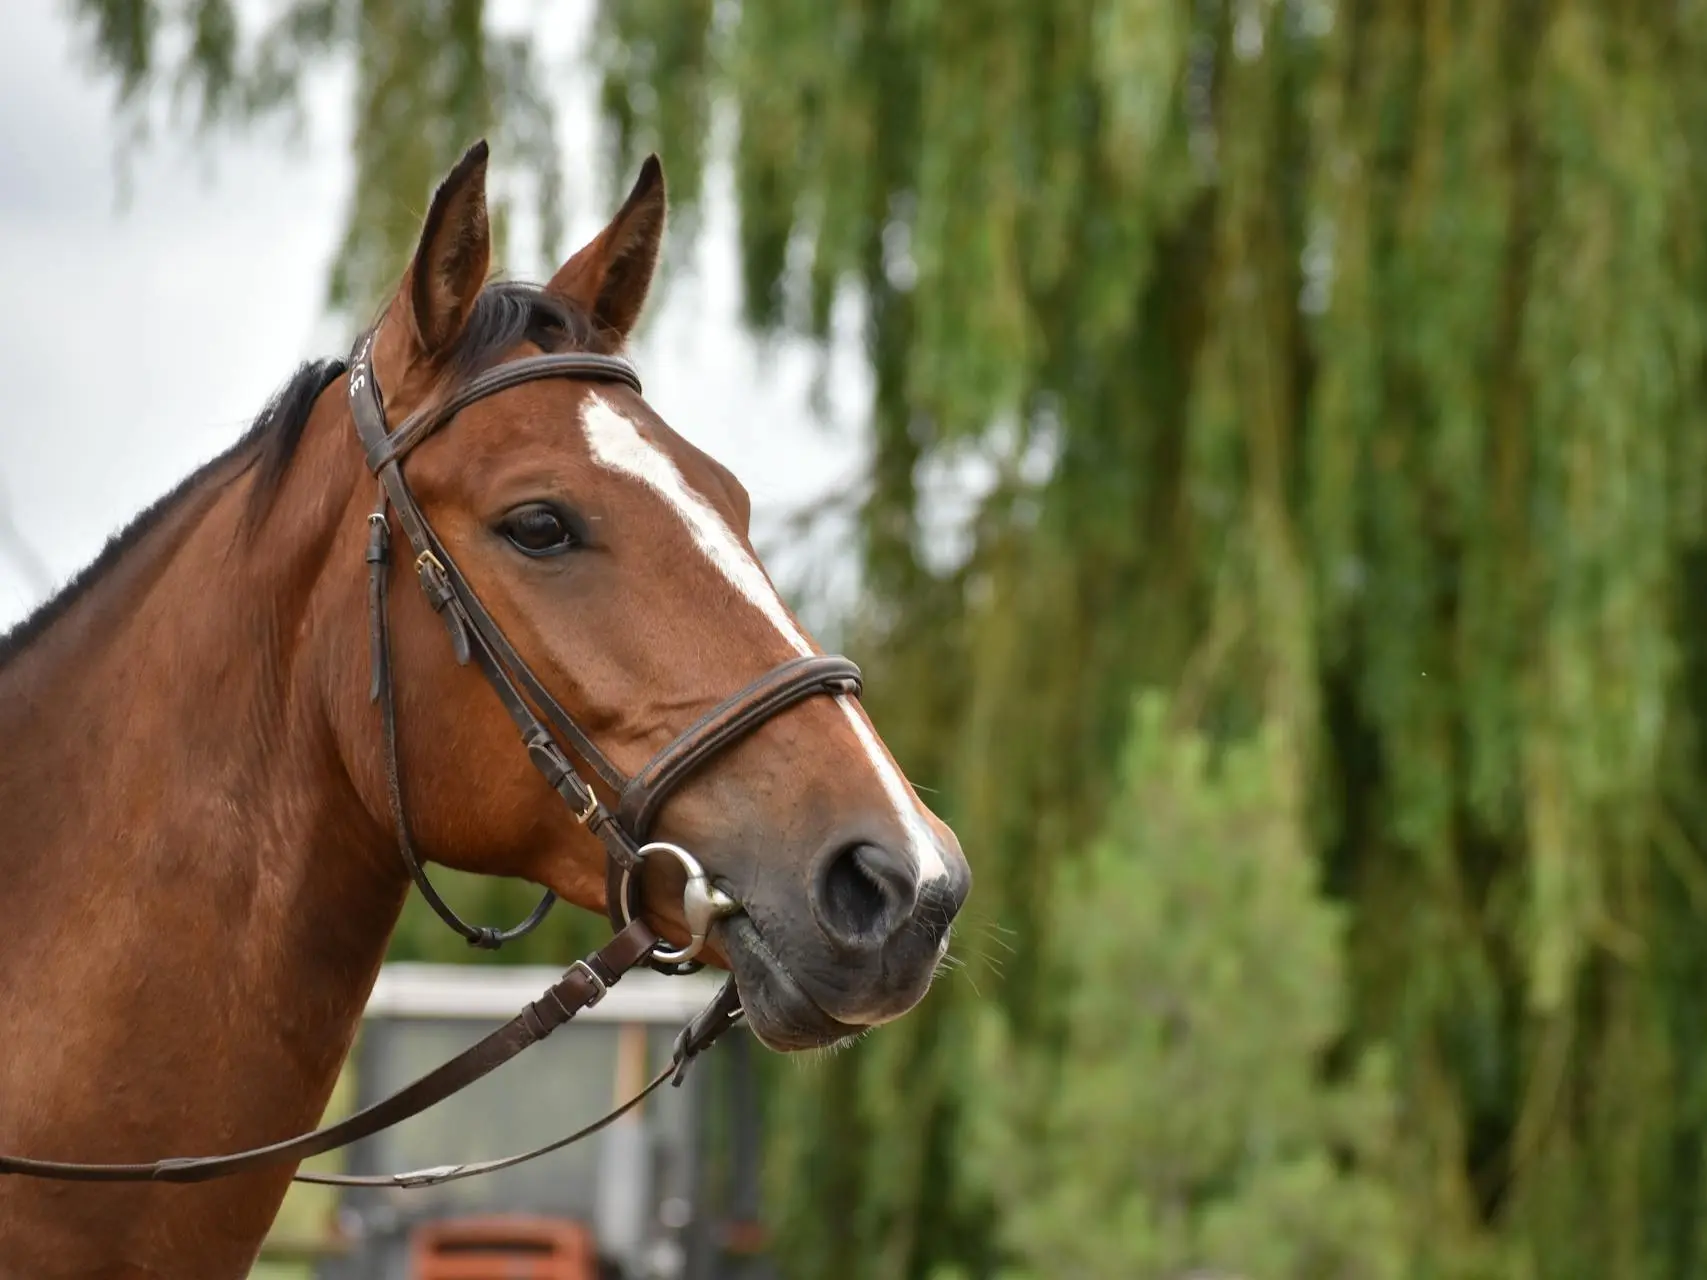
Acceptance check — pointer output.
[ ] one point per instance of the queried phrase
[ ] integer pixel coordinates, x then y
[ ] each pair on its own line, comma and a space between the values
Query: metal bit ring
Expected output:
703, 904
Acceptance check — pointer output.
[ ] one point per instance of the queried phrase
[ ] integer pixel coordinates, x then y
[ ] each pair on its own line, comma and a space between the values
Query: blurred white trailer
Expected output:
669, 1192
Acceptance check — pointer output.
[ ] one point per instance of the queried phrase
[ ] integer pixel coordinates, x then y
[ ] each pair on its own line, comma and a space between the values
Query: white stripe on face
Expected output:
616, 443
927, 856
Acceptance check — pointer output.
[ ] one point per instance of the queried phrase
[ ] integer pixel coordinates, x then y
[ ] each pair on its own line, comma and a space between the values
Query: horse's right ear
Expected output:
609, 277
442, 283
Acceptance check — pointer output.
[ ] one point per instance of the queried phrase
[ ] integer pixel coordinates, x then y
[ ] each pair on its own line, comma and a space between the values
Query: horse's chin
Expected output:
783, 1016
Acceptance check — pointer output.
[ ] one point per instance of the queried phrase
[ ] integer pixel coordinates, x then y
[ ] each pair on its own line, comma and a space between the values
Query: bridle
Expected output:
475, 635
554, 742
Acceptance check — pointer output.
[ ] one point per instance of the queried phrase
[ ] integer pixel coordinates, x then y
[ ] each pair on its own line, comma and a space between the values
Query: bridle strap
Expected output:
727, 723
473, 630
586, 365
475, 636
473, 633
581, 986
698, 1036
382, 691
642, 797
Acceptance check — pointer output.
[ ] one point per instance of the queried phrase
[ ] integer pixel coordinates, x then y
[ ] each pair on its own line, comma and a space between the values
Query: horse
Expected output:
202, 867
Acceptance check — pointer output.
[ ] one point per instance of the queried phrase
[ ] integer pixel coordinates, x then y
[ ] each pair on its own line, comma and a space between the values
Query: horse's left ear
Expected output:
610, 276
451, 262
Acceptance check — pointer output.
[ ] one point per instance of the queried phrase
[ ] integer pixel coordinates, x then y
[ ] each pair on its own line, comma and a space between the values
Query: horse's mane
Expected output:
505, 314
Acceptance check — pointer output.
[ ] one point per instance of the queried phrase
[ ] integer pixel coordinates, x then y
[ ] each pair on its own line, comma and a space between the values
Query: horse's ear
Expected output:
609, 277
451, 262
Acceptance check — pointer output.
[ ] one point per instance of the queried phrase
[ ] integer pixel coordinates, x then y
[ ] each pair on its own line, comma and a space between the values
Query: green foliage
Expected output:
430, 78
1177, 1117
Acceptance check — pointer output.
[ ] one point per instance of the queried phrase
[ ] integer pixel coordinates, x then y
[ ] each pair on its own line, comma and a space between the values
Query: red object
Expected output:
745, 1239
503, 1248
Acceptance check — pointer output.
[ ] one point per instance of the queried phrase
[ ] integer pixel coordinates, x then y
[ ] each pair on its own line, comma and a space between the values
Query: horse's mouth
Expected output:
782, 1015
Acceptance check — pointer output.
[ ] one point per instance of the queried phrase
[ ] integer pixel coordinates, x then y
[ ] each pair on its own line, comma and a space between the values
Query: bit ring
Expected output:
703, 904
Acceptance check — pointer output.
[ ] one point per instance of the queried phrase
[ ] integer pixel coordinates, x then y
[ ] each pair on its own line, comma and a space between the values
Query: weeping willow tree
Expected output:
429, 76
1334, 366
1365, 341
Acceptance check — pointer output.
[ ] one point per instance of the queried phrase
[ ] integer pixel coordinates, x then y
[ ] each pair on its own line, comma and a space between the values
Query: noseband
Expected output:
548, 732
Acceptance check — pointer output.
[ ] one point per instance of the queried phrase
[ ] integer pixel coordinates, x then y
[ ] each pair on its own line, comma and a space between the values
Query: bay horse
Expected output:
200, 866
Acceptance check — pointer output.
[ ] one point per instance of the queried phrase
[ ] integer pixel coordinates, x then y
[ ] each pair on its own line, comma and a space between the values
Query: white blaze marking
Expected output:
616, 443
925, 851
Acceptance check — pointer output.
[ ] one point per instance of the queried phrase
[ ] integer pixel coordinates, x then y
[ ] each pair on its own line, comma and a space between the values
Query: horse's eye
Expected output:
539, 530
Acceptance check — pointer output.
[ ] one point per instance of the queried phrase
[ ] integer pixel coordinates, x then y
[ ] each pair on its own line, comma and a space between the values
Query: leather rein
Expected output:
554, 743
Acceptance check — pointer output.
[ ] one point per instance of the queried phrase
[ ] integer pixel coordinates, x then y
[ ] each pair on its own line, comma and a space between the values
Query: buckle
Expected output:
723, 1012
599, 984
435, 581
549, 759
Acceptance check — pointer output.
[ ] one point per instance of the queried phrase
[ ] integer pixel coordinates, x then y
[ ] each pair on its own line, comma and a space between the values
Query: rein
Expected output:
549, 735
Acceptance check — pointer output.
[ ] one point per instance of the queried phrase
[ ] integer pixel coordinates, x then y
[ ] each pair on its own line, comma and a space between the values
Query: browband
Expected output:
586, 365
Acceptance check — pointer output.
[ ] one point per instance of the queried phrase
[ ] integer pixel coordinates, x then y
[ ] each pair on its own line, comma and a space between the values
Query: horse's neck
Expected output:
195, 904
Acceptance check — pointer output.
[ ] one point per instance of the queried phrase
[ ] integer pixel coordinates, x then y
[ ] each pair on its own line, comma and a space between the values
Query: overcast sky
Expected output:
138, 339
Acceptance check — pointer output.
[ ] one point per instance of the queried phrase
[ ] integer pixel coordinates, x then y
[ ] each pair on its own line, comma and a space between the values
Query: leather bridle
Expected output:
554, 742
475, 635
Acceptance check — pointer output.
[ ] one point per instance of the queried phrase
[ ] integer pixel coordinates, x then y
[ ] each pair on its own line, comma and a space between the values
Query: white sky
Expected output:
139, 339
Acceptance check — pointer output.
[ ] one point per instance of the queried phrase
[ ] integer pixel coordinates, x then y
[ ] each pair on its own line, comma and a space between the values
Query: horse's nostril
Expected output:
864, 894
935, 910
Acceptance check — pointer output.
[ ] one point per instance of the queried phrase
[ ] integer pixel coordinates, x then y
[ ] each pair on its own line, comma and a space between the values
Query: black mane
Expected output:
506, 314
